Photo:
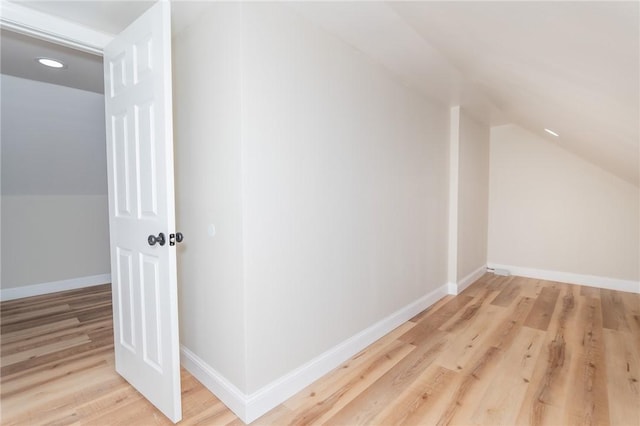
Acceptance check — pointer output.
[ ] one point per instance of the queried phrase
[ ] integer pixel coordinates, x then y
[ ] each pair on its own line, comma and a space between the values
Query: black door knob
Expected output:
152, 240
179, 237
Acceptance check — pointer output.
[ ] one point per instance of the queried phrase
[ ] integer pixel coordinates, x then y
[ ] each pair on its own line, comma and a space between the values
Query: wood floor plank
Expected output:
37, 302
62, 344
623, 378
462, 350
460, 320
546, 393
470, 388
417, 399
24, 375
429, 324
501, 403
33, 314
508, 350
588, 403
540, 314
632, 312
507, 329
589, 291
42, 330
431, 309
613, 310
384, 390
59, 396
487, 281
509, 293
345, 379
319, 407
52, 357
52, 337
37, 379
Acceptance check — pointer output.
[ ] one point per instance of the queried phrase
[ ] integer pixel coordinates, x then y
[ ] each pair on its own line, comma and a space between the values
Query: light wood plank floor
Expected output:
508, 350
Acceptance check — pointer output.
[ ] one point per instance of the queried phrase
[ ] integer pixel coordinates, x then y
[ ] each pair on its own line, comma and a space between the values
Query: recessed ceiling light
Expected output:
51, 63
551, 132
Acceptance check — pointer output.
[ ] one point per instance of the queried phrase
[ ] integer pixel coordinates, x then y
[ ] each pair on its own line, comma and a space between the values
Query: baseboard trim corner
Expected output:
452, 288
53, 287
457, 288
471, 278
571, 278
249, 407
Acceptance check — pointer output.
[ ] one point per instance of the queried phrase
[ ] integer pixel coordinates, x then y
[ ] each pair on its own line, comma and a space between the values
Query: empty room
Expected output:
333, 213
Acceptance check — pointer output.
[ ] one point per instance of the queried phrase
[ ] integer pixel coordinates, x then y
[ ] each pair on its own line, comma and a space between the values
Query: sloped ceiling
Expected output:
17, 58
569, 66
572, 67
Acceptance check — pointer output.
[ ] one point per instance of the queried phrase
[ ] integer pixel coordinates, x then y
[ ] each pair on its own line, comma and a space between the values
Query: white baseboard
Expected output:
454, 288
251, 406
570, 278
226, 391
53, 287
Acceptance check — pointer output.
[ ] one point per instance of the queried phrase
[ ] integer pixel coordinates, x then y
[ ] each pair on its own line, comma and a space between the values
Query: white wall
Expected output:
53, 139
54, 188
551, 210
207, 120
325, 177
47, 238
473, 195
345, 192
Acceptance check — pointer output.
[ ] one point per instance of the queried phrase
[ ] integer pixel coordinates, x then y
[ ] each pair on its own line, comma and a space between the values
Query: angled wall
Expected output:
326, 180
344, 186
553, 212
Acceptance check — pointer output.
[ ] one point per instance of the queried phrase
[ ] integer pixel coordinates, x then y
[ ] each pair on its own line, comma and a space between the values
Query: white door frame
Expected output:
47, 27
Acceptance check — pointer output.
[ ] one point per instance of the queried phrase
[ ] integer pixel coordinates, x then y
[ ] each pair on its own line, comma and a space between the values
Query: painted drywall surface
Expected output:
452, 223
206, 85
48, 238
53, 139
551, 210
473, 195
345, 192
55, 222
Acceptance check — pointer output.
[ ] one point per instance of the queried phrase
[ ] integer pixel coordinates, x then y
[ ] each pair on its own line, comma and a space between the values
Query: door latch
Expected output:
175, 238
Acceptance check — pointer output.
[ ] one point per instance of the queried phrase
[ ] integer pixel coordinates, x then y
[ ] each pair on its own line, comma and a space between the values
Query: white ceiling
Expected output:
569, 66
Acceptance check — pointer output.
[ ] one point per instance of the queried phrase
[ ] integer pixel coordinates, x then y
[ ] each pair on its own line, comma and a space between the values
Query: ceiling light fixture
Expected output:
51, 63
551, 132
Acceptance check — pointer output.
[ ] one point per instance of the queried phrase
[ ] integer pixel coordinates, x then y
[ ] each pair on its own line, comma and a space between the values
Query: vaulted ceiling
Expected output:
572, 67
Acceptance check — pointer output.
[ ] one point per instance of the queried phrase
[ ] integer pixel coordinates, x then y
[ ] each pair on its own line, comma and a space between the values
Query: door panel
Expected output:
137, 68
126, 319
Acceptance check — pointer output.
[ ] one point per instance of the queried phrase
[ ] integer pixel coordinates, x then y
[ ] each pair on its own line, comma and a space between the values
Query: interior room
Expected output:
393, 212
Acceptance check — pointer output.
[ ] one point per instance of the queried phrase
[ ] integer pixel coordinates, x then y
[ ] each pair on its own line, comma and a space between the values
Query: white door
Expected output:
137, 69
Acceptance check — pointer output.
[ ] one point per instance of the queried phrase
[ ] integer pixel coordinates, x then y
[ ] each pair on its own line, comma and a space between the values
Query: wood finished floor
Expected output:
506, 351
